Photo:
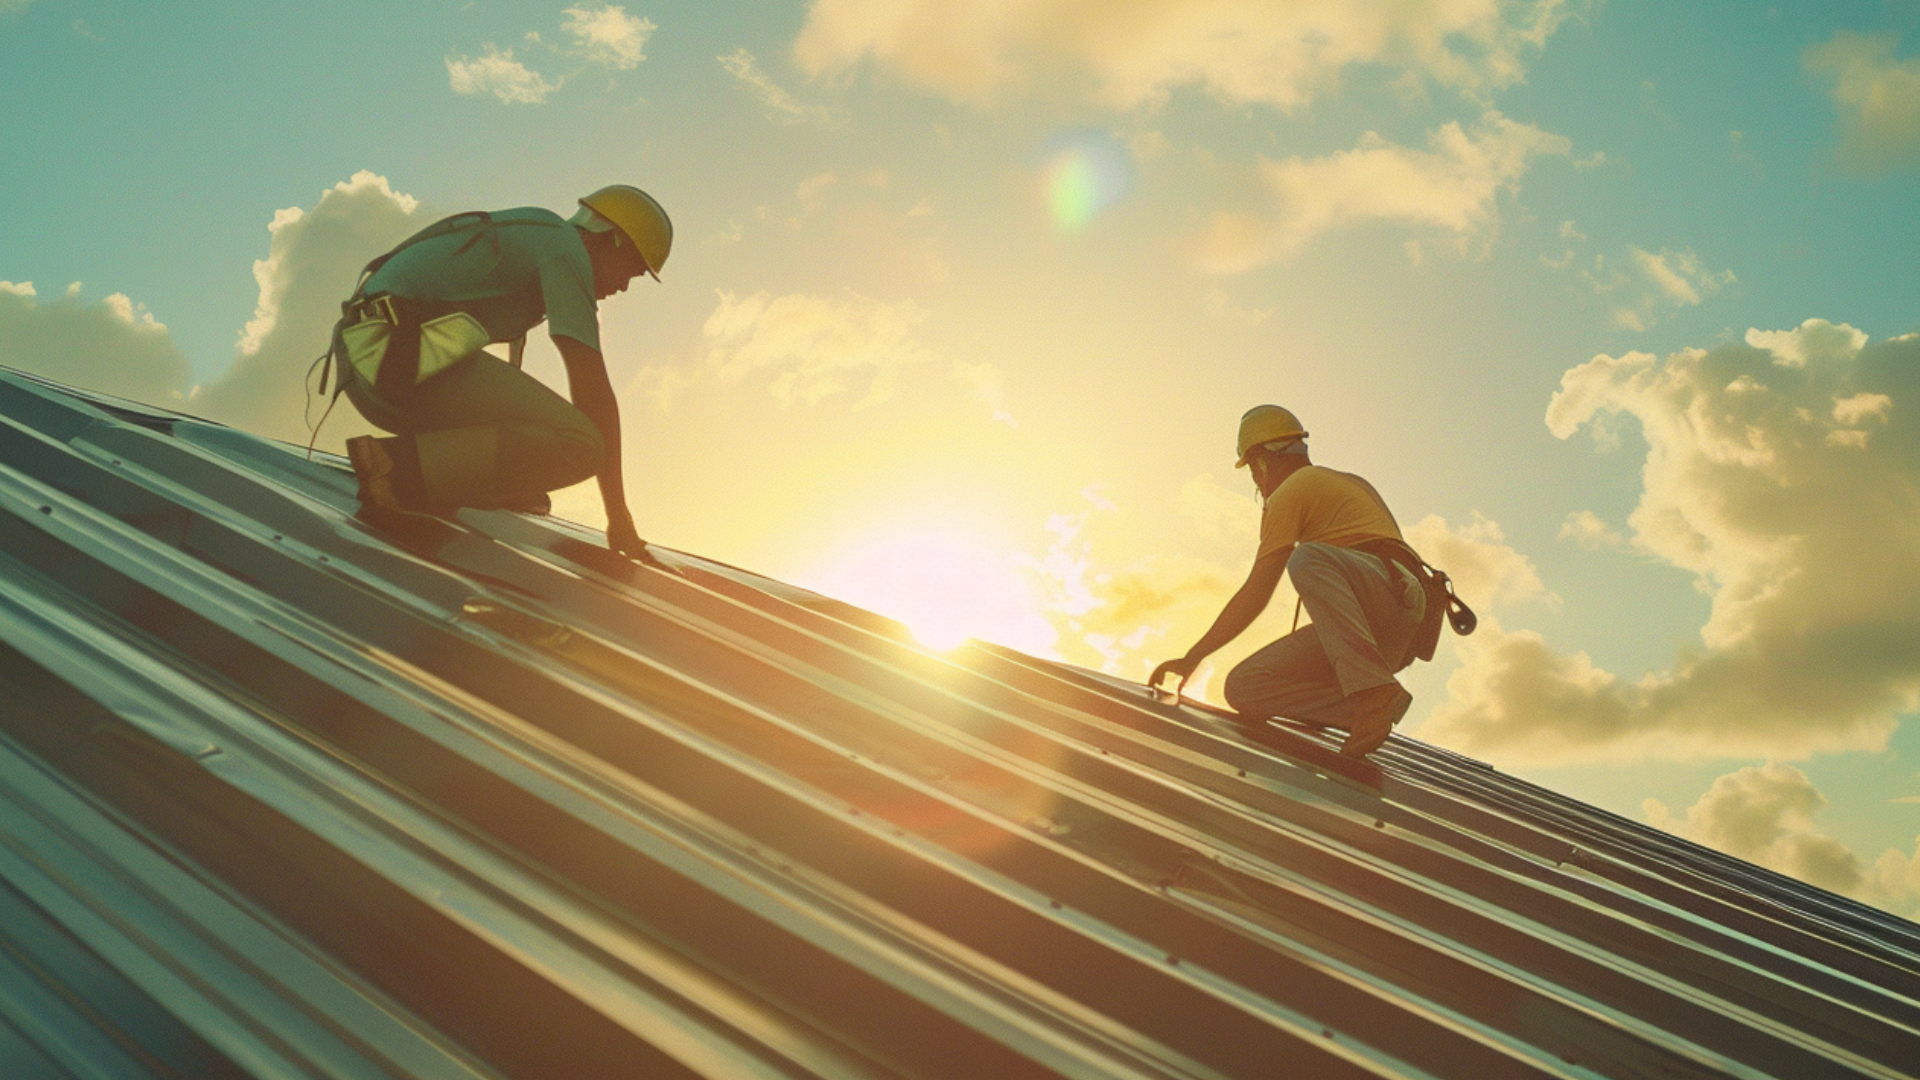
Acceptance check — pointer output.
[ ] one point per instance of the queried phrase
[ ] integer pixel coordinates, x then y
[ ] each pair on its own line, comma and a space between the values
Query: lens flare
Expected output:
1085, 173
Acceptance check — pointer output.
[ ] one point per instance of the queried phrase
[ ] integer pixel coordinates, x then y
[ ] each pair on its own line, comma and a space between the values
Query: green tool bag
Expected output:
394, 344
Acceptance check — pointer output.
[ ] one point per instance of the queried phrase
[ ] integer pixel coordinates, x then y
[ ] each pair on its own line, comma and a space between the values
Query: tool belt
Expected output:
1438, 587
395, 343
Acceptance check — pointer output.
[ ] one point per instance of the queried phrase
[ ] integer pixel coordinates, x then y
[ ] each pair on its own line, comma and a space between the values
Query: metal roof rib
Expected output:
280, 796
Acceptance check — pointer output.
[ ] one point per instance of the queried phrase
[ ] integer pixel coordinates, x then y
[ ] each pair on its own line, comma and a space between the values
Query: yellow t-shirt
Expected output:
1327, 506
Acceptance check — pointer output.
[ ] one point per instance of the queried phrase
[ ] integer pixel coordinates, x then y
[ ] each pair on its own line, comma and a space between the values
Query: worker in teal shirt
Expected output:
471, 429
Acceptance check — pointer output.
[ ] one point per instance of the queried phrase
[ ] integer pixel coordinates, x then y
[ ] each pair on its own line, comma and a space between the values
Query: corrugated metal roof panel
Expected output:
283, 797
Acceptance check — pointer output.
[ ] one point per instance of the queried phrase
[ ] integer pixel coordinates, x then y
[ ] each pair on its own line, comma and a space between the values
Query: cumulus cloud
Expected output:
1281, 54
1777, 477
1584, 527
496, 72
1764, 814
1450, 188
313, 259
1876, 95
809, 348
780, 104
116, 345
608, 36
1485, 569
112, 345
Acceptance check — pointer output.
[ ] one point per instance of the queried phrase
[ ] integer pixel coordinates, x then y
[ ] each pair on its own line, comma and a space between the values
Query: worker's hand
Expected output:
1182, 667
625, 539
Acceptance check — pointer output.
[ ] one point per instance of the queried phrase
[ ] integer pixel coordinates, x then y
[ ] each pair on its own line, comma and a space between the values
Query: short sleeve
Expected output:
1279, 523
566, 287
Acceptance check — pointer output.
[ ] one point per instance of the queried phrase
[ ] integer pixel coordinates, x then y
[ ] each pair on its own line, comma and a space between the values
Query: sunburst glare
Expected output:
945, 588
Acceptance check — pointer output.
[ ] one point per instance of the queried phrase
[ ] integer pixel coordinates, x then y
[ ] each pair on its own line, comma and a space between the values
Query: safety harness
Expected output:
399, 370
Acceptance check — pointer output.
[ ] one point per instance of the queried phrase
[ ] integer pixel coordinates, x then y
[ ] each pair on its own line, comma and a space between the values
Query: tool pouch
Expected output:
394, 344
1441, 601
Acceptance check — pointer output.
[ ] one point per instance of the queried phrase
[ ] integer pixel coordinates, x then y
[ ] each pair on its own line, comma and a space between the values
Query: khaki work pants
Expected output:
487, 434
1364, 613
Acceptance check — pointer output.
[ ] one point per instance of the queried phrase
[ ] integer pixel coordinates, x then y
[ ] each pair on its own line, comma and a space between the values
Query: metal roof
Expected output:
281, 797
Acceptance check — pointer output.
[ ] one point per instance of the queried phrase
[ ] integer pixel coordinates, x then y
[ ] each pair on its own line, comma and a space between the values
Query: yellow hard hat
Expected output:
1264, 424
640, 218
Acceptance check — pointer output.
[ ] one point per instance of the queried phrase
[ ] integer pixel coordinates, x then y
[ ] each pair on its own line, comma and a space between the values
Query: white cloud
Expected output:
1281, 54
1895, 881
1485, 570
608, 36
114, 346
1808, 546
1790, 348
313, 259
1678, 276
1584, 527
1451, 188
814, 347
1876, 95
1764, 814
1659, 283
9, 7
496, 72
742, 65
809, 348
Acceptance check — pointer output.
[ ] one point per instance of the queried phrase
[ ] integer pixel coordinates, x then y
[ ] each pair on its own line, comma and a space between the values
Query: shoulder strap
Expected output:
478, 220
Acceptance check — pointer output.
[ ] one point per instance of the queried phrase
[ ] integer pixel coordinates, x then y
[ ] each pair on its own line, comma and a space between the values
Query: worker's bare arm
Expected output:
1246, 605
592, 394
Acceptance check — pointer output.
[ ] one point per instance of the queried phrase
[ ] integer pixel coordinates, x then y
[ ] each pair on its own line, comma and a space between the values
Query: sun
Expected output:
946, 587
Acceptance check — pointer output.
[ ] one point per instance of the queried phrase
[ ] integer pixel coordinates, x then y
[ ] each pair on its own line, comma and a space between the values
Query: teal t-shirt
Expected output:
533, 266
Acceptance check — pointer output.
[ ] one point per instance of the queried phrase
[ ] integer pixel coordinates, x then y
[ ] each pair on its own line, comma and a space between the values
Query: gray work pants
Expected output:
1364, 613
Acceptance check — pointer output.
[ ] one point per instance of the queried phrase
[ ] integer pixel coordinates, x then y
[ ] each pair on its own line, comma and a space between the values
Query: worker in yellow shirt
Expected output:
1364, 588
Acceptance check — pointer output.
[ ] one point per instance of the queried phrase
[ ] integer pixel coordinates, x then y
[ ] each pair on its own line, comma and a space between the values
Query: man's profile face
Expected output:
614, 265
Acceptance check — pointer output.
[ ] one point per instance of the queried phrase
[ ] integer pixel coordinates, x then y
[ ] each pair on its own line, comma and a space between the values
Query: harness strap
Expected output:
405, 315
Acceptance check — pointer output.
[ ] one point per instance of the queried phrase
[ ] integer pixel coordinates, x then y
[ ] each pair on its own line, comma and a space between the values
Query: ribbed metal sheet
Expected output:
280, 797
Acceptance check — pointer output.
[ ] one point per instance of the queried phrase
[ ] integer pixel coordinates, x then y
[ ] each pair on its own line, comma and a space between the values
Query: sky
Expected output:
1614, 302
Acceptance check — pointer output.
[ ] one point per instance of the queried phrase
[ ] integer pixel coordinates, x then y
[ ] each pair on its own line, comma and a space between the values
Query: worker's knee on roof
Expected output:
1238, 688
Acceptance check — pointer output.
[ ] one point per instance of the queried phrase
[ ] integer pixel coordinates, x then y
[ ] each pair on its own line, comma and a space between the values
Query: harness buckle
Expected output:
368, 308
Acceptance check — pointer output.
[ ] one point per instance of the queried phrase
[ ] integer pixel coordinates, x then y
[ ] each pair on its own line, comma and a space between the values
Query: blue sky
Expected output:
899, 355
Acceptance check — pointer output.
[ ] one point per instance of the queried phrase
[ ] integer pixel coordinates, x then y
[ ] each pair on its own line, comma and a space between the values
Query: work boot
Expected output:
1371, 714
379, 503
